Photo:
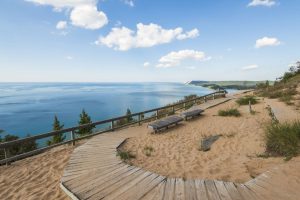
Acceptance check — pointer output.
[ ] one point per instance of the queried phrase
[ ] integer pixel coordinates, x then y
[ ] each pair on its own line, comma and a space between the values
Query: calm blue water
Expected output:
30, 107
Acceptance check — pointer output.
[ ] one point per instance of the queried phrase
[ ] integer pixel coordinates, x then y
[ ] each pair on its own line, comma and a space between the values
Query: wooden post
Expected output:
195, 101
213, 96
250, 109
173, 109
5, 156
139, 119
156, 114
204, 99
73, 137
112, 125
184, 106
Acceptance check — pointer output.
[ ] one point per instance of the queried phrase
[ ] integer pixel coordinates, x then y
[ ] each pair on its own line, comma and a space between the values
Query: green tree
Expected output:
28, 145
58, 137
85, 119
129, 117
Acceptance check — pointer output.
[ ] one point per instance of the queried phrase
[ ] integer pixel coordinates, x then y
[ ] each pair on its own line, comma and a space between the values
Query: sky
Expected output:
147, 41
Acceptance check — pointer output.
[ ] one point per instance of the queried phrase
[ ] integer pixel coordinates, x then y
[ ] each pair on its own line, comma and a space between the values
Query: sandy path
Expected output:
37, 177
283, 112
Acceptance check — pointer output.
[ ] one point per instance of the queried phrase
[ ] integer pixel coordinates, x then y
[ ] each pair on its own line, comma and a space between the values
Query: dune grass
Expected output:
125, 155
229, 112
283, 139
245, 100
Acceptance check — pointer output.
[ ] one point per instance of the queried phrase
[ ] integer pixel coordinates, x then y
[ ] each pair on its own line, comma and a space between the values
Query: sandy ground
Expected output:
37, 177
234, 157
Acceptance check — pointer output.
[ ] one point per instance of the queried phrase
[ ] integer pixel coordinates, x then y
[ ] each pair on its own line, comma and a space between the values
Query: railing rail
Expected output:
72, 130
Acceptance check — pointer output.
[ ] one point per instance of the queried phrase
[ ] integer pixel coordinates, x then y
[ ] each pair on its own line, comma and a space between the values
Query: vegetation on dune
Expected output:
58, 137
17, 148
284, 88
229, 112
245, 100
125, 155
283, 139
148, 150
85, 119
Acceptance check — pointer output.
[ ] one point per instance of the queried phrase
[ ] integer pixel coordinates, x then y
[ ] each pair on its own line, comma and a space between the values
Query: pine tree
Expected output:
129, 117
58, 137
28, 145
85, 119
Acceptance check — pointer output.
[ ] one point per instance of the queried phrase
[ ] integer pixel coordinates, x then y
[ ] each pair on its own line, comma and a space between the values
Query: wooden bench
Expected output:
165, 123
191, 113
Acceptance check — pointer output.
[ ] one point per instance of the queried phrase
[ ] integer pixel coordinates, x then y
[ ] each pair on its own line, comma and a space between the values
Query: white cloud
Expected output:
146, 64
84, 13
175, 58
250, 67
267, 41
61, 25
123, 38
268, 3
129, 2
88, 17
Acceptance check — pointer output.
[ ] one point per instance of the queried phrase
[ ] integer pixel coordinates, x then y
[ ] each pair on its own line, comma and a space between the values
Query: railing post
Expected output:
73, 137
139, 119
156, 114
112, 125
5, 156
184, 106
204, 99
173, 109
213, 96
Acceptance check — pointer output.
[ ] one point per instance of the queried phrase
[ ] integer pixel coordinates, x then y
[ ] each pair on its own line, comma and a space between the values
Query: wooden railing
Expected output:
113, 126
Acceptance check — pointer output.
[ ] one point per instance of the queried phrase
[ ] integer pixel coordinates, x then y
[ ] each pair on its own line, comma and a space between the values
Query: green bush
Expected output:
283, 139
229, 112
125, 155
245, 100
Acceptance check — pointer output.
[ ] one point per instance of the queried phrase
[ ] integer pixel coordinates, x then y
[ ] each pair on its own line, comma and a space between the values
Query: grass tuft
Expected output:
148, 150
229, 112
283, 139
245, 100
125, 155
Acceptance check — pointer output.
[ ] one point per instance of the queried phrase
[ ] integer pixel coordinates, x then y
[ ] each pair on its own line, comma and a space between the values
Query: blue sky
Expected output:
144, 41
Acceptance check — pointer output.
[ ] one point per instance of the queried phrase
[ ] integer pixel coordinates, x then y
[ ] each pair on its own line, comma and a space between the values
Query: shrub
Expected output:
125, 155
229, 112
245, 100
148, 150
283, 139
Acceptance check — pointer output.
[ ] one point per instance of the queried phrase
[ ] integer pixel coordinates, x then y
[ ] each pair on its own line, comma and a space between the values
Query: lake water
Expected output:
30, 107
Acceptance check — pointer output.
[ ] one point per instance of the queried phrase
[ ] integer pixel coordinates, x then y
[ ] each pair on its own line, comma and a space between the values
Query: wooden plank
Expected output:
232, 190
190, 190
211, 190
117, 190
169, 189
222, 191
157, 193
201, 190
179, 189
142, 188
246, 192
103, 184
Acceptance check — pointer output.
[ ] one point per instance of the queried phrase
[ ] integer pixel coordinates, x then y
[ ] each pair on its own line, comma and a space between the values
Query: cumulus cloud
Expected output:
84, 13
87, 16
123, 38
268, 3
250, 67
146, 64
267, 41
69, 58
175, 58
61, 25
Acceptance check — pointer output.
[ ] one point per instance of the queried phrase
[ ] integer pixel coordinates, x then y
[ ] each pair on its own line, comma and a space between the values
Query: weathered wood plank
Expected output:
179, 189
157, 193
201, 190
233, 192
211, 190
170, 189
190, 190
223, 193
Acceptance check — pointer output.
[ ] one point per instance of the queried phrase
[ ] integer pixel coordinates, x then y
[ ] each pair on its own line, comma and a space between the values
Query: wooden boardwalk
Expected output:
95, 172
